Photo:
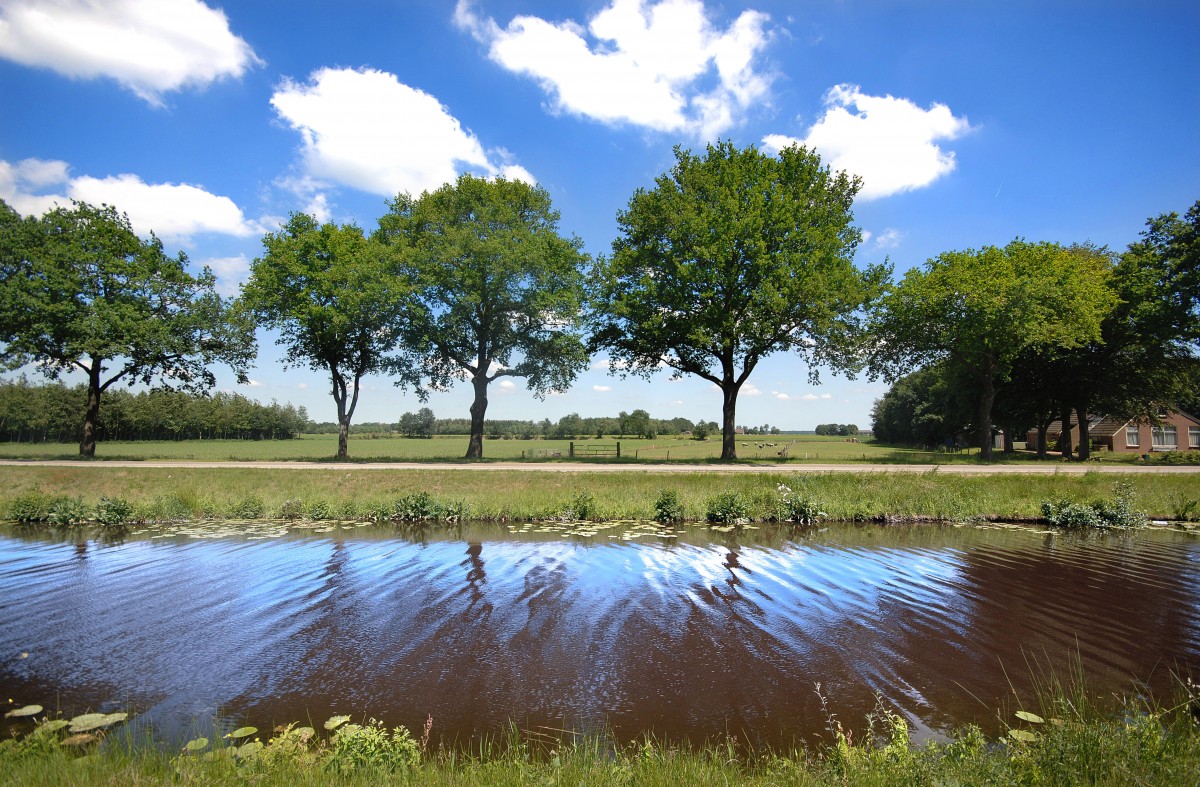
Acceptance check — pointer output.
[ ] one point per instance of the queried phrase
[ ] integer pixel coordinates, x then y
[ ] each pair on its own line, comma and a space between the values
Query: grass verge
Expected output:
154, 494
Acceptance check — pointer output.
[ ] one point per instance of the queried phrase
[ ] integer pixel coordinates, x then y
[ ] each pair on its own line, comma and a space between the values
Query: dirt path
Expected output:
640, 467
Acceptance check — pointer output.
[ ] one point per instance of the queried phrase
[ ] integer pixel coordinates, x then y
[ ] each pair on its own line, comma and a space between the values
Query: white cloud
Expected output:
230, 272
506, 386
149, 46
661, 65
367, 130
253, 384
750, 389
173, 211
302, 386
602, 388
891, 143
888, 239
781, 396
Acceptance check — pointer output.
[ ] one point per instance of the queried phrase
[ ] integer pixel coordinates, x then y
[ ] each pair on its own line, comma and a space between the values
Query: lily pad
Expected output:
196, 745
1025, 715
336, 722
247, 750
28, 710
52, 726
89, 721
79, 739
1024, 736
242, 732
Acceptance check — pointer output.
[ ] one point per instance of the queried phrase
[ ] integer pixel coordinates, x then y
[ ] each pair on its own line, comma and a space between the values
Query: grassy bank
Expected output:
1070, 737
341, 492
792, 449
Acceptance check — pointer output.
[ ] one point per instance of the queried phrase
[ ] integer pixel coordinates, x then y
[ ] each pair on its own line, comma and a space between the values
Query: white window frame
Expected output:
1164, 438
1133, 437
1193, 437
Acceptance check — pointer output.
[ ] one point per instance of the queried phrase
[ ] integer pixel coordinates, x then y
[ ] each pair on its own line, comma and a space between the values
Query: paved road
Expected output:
644, 467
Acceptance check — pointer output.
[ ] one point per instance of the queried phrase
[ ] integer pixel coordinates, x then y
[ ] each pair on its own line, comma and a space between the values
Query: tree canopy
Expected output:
82, 291
733, 256
336, 302
498, 290
981, 309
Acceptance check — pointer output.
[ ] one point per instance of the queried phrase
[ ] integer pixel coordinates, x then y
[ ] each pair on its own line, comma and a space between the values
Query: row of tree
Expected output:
730, 257
1021, 336
837, 430
53, 413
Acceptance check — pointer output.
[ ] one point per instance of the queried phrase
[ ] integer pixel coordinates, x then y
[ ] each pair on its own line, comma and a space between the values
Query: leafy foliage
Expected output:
497, 289
335, 301
82, 292
733, 256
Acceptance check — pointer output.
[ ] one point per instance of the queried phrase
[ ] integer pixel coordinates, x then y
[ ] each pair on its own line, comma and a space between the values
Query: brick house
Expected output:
1175, 431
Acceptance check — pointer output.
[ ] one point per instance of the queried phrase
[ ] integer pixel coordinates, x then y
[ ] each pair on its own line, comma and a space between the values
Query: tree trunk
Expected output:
987, 395
343, 437
1009, 448
1085, 437
478, 410
87, 444
729, 392
1041, 442
1064, 439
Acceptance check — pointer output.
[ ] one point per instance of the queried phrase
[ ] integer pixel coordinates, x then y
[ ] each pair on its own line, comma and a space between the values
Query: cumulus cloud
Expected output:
891, 143
366, 129
150, 48
811, 397
230, 272
662, 65
602, 388
888, 239
173, 211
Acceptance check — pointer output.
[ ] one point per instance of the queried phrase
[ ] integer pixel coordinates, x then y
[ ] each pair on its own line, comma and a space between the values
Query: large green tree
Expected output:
732, 256
333, 296
81, 291
982, 310
499, 288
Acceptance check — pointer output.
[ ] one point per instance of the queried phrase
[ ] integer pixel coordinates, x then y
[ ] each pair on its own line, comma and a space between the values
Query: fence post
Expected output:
618, 449
571, 450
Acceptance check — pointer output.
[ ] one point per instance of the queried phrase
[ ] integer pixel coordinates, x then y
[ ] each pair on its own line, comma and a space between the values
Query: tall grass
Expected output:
343, 492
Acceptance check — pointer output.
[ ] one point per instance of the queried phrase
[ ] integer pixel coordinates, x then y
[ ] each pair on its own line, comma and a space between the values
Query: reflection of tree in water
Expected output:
476, 579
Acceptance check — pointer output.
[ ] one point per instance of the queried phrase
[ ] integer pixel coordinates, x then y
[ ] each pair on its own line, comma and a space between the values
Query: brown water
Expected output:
687, 638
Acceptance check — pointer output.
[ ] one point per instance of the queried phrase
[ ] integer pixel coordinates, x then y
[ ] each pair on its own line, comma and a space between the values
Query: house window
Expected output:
1194, 437
1132, 437
1164, 438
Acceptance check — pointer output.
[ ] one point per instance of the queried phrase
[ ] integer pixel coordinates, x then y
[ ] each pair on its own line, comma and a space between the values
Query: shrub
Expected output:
320, 509
417, 507
797, 507
581, 508
292, 508
370, 746
29, 508
67, 511
251, 507
727, 508
1117, 512
667, 508
113, 511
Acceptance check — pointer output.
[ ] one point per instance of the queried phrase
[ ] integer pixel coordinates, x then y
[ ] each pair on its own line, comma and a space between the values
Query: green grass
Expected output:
190, 493
1067, 737
797, 449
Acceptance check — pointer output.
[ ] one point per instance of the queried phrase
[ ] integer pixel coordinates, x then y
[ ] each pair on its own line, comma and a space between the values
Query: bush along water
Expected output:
1118, 512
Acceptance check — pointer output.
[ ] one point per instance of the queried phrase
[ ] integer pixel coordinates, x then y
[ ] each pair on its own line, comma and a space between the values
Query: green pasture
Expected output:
787, 449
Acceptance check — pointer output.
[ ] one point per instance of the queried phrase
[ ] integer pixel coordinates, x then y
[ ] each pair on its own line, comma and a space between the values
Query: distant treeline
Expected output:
569, 427
54, 413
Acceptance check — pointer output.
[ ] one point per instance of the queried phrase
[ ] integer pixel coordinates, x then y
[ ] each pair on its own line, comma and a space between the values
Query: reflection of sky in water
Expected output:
684, 638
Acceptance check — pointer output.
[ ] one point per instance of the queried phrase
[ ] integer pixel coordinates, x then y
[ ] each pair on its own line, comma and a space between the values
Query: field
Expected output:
788, 449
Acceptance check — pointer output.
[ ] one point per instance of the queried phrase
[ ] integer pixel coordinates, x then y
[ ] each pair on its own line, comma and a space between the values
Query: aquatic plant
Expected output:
30, 508
67, 511
667, 508
797, 507
1118, 512
113, 511
727, 508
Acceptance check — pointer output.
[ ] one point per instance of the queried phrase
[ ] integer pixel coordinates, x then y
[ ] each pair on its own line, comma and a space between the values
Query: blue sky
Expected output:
970, 124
